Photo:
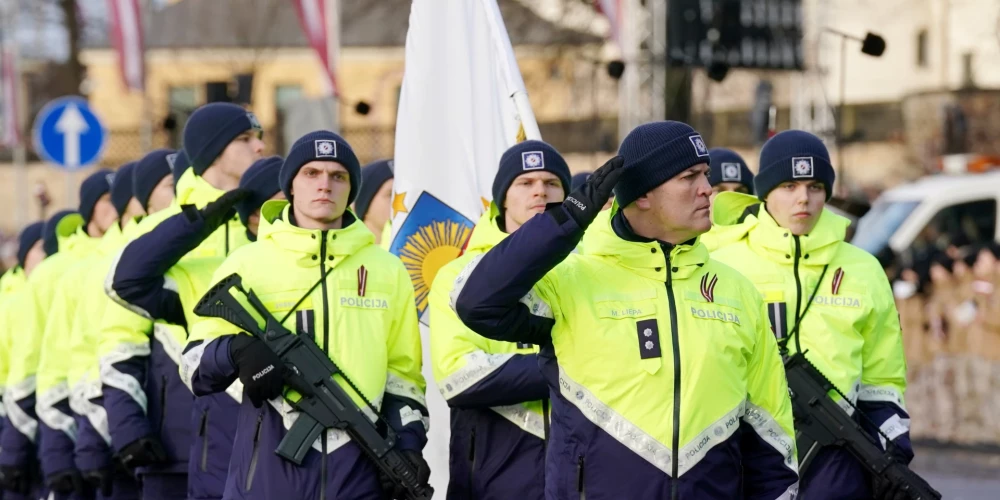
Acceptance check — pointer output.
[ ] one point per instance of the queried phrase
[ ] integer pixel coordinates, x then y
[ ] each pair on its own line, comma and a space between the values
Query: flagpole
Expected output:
512, 74
147, 108
332, 16
20, 153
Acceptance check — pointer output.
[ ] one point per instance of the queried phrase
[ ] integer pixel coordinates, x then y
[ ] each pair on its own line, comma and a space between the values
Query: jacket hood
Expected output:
644, 258
305, 244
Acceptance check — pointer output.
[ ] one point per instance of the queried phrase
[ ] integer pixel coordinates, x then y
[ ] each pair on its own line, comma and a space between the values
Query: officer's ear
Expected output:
643, 203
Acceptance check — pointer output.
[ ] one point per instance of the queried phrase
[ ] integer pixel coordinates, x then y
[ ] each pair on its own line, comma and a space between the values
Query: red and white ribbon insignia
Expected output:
362, 281
838, 278
708, 287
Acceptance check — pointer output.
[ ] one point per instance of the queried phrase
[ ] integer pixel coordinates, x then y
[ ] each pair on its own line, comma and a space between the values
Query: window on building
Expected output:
284, 95
922, 48
181, 102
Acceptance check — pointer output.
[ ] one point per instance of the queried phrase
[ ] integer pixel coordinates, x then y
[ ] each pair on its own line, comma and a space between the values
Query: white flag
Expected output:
462, 104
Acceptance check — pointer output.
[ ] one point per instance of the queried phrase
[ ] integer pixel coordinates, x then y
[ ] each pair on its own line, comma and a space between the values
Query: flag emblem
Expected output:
838, 278
326, 148
700, 148
802, 167
708, 287
362, 281
731, 172
432, 235
532, 160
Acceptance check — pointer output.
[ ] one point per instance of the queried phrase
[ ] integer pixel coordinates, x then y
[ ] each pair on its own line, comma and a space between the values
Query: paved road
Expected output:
960, 475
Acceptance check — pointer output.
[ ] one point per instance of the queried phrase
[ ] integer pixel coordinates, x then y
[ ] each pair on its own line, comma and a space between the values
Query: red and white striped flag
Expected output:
315, 21
612, 9
126, 35
9, 98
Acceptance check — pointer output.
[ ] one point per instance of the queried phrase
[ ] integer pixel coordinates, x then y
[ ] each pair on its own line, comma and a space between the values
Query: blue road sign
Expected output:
68, 134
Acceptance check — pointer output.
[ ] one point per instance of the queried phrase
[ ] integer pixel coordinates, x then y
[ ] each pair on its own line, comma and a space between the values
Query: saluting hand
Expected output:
587, 201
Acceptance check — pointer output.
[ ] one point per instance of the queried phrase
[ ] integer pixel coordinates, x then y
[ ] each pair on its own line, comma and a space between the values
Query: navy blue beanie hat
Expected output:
793, 155
579, 179
149, 171
27, 239
50, 239
211, 128
121, 187
654, 153
526, 157
373, 176
178, 165
92, 188
727, 166
261, 179
321, 145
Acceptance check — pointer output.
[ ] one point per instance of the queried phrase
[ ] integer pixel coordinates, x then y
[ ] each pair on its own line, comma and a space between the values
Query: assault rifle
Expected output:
820, 422
324, 403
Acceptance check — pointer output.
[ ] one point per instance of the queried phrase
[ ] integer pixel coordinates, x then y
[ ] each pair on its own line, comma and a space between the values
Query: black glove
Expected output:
66, 482
882, 489
586, 202
142, 452
394, 491
217, 212
261, 370
16, 479
101, 480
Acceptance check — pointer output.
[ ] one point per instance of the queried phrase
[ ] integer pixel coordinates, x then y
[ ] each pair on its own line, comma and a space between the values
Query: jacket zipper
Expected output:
545, 424
203, 433
227, 238
326, 309
675, 444
163, 402
579, 477
255, 453
798, 289
472, 463
322, 470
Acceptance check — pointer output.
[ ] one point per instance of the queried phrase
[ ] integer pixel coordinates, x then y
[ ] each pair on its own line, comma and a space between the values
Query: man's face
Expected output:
35, 255
680, 206
104, 213
253, 222
528, 195
132, 210
796, 205
734, 187
380, 206
162, 195
319, 193
245, 149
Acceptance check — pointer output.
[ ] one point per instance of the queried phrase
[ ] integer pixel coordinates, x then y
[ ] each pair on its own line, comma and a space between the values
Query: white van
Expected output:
939, 209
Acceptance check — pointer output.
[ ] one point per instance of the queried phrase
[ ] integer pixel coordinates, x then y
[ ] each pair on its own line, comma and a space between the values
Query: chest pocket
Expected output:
632, 332
280, 303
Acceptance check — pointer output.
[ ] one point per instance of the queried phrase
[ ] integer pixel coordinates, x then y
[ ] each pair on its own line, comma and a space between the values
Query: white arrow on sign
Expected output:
71, 125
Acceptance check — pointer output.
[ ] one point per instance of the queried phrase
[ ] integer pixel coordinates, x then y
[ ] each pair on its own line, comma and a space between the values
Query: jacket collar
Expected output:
767, 238
194, 190
611, 237
305, 244
487, 233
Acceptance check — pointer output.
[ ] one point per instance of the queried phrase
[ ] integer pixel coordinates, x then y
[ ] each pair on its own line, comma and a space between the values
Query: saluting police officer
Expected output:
664, 378
825, 297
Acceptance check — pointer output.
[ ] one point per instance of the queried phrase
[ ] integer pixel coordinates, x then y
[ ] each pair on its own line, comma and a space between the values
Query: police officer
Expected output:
172, 445
360, 312
729, 172
12, 287
153, 182
374, 202
261, 183
825, 296
664, 378
57, 432
497, 395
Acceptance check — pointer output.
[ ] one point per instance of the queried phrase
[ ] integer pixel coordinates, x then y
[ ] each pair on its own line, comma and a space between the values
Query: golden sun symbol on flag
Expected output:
432, 235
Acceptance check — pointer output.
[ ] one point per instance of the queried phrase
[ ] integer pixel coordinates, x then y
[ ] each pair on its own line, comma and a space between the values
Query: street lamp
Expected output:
872, 45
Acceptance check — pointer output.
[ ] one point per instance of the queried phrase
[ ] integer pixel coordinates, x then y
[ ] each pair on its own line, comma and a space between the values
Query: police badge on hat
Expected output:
254, 124
532, 160
326, 148
731, 172
171, 160
110, 178
802, 167
700, 148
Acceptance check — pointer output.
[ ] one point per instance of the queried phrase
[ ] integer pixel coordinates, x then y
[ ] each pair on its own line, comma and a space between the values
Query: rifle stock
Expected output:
324, 403
820, 422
